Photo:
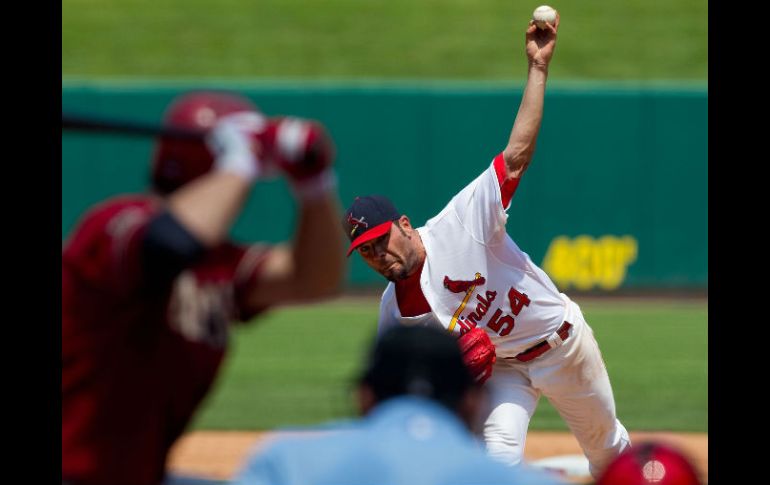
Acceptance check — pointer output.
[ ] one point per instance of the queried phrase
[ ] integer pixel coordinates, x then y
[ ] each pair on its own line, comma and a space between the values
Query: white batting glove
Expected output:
232, 141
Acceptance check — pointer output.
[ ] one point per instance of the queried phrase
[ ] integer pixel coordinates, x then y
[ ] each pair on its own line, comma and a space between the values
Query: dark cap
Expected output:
417, 360
369, 217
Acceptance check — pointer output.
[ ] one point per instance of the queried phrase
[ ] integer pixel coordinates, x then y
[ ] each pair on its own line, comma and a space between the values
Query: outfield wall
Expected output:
616, 196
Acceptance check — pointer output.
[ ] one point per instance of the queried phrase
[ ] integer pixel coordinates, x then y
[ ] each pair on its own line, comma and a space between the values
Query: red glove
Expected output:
478, 353
300, 148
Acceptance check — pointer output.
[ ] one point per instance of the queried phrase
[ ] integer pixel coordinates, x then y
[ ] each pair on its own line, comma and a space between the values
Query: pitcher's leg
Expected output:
512, 401
600, 434
586, 403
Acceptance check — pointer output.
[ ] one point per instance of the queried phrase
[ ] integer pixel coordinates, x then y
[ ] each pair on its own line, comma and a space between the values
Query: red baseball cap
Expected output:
177, 162
650, 464
369, 217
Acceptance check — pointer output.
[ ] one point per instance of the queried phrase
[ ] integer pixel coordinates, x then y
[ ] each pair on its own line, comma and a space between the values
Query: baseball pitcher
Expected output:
462, 271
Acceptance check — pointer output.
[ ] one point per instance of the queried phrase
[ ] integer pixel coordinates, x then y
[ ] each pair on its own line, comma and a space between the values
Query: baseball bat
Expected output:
91, 123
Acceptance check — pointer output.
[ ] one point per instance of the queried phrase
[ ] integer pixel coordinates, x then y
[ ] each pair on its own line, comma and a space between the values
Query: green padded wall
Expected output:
616, 196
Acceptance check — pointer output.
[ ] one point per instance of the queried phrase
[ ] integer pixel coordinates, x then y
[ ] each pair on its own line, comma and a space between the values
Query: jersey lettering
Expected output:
468, 293
465, 327
499, 323
472, 320
518, 300
200, 312
482, 307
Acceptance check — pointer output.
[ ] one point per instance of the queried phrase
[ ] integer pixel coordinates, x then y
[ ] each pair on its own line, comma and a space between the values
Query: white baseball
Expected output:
543, 14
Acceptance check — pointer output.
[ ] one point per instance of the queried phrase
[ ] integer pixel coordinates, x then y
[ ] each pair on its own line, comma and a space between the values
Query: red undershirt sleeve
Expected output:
409, 296
507, 186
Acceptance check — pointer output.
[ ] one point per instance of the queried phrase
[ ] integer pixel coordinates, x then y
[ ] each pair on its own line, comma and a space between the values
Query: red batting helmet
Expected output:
176, 162
650, 464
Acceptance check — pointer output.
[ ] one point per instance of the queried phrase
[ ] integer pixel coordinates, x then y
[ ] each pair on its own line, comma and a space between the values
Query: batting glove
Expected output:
305, 152
232, 140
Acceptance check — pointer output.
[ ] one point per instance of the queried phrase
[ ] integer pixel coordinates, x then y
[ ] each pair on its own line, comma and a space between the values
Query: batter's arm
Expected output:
198, 215
540, 44
209, 205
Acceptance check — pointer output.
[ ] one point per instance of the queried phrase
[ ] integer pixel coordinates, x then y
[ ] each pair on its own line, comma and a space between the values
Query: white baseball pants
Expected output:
574, 379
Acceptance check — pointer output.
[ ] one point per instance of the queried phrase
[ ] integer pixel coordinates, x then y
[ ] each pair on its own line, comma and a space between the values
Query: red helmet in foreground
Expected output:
176, 161
650, 464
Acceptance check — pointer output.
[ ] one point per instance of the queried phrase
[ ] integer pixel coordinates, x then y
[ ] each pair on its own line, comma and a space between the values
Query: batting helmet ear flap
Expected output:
176, 162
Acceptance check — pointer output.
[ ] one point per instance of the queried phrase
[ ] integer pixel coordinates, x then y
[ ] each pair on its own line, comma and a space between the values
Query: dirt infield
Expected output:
218, 454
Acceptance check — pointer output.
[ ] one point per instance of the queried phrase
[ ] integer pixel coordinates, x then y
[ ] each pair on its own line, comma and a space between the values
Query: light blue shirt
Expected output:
404, 441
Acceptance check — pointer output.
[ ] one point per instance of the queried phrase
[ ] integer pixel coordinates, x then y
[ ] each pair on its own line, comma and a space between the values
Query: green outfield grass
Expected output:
294, 366
395, 39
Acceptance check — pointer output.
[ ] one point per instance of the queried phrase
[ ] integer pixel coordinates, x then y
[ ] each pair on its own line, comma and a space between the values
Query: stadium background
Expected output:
419, 96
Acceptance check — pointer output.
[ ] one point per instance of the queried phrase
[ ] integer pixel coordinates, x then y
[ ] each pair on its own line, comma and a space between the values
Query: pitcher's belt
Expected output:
539, 349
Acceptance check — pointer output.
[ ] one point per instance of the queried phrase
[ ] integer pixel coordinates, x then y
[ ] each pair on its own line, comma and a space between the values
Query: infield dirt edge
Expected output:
218, 454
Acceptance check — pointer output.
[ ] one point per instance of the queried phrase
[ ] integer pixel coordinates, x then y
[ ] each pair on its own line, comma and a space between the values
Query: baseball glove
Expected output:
478, 353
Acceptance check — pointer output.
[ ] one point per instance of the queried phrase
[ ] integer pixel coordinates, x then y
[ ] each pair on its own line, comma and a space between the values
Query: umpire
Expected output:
418, 400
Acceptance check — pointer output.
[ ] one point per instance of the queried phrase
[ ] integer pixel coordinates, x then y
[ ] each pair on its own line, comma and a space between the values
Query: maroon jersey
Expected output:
138, 355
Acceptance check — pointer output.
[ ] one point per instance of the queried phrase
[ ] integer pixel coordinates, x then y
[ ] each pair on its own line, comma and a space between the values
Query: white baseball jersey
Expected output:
500, 288
475, 275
